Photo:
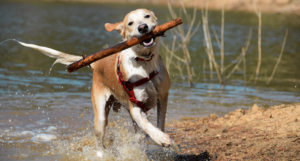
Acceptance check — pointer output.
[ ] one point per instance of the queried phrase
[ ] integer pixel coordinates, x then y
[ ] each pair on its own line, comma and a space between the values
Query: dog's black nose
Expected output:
143, 28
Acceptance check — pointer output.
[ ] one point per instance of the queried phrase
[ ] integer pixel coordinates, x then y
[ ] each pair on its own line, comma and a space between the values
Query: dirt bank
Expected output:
271, 6
255, 134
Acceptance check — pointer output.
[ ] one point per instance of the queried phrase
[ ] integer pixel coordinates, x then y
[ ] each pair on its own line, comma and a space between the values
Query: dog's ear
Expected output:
116, 26
154, 15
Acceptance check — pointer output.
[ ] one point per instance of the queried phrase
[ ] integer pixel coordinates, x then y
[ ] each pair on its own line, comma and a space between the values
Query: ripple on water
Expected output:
43, 138
26, 133
15, 134
42, 122
51, 129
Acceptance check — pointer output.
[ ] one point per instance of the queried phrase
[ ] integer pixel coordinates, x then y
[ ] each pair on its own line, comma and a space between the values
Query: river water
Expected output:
49, 116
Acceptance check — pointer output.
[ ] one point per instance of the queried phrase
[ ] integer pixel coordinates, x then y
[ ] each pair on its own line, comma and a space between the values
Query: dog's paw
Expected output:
162, 139
100, 154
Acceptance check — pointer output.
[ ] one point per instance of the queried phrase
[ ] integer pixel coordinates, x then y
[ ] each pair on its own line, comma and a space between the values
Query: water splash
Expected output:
121, 143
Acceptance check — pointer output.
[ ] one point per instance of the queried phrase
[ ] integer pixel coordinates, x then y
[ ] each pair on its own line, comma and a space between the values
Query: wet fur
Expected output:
107, 92
106, 88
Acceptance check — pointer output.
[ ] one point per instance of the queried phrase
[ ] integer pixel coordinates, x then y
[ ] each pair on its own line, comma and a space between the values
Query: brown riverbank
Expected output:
255, 134
267, 6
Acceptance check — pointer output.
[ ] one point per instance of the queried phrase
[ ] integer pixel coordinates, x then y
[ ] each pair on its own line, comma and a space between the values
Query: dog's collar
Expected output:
148, 58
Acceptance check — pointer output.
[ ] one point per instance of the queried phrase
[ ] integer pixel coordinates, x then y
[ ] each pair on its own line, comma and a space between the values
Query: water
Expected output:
48, 116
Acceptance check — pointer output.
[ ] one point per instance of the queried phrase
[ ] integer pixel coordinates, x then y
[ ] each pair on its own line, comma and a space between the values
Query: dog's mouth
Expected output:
148, 43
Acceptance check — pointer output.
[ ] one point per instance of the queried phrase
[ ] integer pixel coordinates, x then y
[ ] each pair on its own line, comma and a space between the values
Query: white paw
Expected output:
99, 154
162, 139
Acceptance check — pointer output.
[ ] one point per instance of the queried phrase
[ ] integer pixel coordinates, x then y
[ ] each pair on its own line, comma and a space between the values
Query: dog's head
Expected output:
136, 24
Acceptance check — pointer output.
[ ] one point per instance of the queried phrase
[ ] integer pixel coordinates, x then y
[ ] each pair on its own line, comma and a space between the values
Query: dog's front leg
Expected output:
140, 118
161, 111
101, 111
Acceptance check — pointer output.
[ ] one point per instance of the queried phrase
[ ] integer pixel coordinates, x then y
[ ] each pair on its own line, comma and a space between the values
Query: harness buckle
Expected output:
128, 86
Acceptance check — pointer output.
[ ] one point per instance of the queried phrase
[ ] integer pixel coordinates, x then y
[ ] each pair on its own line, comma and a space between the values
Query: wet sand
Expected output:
254, 134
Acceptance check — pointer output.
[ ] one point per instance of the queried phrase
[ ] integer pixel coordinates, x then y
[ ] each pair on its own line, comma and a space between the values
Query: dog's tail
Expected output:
61, 57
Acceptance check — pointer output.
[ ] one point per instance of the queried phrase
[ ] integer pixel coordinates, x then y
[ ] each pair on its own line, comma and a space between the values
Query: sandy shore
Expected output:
254, 134
267, 6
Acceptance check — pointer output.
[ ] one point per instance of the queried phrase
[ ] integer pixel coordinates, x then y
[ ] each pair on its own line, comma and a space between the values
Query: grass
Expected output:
179, 56
185, 36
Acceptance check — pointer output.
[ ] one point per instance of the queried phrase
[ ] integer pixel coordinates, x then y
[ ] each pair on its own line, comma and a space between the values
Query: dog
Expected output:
134, 78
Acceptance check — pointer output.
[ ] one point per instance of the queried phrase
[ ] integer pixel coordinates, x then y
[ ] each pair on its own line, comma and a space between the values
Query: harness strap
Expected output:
128, 87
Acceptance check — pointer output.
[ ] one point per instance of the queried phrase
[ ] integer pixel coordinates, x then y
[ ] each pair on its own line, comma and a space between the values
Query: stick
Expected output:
158, 31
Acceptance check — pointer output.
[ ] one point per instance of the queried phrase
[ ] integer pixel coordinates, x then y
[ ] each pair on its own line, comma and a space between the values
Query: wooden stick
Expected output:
158, 31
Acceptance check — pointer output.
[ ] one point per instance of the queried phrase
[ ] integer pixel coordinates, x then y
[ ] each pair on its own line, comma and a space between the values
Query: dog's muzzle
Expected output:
143, 28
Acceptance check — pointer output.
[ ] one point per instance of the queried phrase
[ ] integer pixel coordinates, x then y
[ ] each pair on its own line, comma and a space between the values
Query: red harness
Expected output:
128, 87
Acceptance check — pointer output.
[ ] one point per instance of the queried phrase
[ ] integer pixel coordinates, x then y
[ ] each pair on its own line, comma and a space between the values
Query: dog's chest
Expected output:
136, 70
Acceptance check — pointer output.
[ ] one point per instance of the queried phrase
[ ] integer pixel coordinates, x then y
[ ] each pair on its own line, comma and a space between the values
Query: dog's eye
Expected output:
147, 16
130, 23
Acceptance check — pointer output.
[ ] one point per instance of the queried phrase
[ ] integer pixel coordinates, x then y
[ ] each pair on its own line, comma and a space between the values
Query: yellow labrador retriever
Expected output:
134, 78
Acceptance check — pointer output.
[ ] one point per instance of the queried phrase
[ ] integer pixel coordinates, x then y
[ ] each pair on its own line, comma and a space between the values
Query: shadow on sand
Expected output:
201, 157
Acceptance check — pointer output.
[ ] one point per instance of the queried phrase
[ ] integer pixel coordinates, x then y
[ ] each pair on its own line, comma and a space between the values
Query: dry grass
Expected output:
222, 70
258, 42
184, 61
279, 58
184, 39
